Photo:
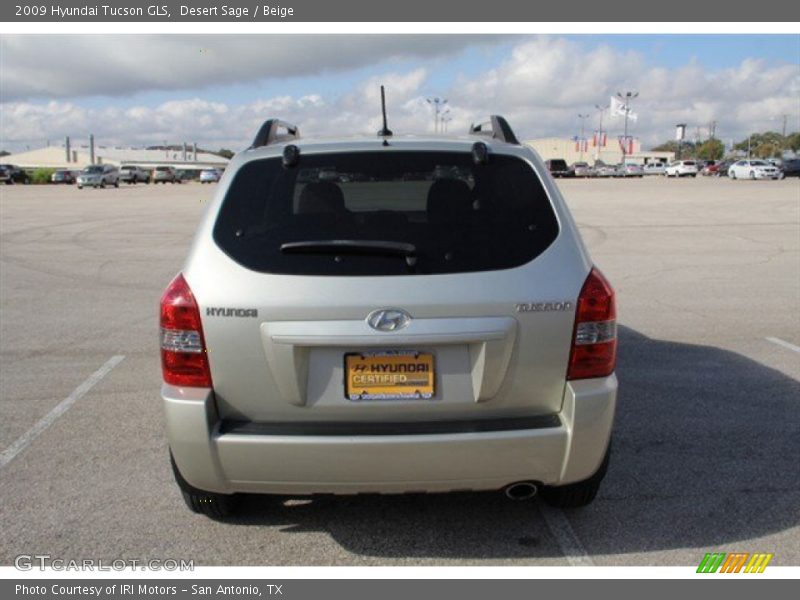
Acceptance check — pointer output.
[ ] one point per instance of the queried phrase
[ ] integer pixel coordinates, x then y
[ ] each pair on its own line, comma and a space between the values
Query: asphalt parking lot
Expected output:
706, 454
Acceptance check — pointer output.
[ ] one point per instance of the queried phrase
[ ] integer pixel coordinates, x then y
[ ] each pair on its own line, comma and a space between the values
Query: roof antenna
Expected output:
385, 132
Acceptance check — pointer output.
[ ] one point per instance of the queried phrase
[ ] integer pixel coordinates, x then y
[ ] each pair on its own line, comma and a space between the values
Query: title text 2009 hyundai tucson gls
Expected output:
388, 315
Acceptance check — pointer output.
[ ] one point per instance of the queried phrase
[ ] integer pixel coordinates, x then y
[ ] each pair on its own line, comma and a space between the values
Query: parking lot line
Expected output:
566, 538
25, 439
783, 343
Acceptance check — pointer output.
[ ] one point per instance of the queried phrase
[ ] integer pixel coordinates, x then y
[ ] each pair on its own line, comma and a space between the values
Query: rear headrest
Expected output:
448, 199
321, 197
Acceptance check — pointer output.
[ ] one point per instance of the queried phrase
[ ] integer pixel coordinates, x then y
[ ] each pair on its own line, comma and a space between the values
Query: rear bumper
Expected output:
214, 456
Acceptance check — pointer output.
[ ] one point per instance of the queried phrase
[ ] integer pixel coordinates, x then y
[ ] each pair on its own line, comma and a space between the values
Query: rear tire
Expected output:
752, 174
213, 505
575, 495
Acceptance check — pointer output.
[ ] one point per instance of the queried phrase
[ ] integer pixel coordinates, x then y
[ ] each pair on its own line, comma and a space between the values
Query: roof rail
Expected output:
274, 131
497, 128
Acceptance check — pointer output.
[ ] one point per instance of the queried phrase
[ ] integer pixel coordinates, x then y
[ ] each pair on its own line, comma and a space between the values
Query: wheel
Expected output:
732, 174
116, 184
575, 495
752, 174
80, 187
695, 175
102, 185
210, 504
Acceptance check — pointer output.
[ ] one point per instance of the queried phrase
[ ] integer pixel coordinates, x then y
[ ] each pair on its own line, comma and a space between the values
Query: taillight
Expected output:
184, 360
594, 346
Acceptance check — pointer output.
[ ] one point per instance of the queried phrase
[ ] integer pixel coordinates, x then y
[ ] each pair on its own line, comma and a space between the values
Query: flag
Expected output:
626, 144
618, 109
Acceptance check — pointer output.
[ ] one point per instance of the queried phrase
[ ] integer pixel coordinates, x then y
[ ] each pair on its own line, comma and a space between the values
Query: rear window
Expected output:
385, 213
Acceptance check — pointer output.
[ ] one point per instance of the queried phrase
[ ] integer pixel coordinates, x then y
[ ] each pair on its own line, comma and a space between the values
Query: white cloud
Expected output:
69, 66
540, 87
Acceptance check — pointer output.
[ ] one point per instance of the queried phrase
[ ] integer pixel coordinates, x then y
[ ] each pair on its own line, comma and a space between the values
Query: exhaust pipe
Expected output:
524, 490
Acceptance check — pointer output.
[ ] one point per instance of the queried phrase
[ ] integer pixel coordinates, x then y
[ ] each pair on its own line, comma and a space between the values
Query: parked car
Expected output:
654, 168
12, 174
723, 166
753, 169
710, 168
791, 167
165, 174
630, 170
558, 168
338, 355
63, 176
681, 168
98, 176
601, 169
132, 174
187, 175
582, 169
210, 175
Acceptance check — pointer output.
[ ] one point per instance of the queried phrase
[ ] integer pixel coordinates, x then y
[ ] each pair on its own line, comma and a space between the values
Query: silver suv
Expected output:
385, 315
98, 176
133, 174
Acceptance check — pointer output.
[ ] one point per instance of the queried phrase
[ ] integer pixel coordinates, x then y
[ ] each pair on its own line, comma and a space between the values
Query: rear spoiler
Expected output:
274, 131
496, 128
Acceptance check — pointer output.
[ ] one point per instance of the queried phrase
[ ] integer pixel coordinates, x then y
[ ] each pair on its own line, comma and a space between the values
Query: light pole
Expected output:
583, 129
446, 118
438, 105
601, 110
626, 102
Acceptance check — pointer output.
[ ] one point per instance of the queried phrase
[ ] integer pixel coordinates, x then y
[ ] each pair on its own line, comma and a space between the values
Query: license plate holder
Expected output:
389, 375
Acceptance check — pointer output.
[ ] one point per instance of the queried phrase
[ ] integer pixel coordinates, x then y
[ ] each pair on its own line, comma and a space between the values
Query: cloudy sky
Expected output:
216, 90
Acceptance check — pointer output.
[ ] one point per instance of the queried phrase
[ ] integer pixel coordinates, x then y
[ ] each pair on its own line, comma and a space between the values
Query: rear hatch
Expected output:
387, 286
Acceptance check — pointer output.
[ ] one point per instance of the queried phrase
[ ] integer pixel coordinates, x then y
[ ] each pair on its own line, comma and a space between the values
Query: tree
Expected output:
763, 145
793, 141
711, 149
4, 153
225, 153
687, 148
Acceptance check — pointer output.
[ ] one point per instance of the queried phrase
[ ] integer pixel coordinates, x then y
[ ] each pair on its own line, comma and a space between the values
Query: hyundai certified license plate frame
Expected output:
389, 375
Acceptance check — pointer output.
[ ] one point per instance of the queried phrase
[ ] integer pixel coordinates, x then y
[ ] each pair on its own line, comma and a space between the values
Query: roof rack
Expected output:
274, 131
497, 128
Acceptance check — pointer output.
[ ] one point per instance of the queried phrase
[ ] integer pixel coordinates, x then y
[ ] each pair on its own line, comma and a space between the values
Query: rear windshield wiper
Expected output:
373, 247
